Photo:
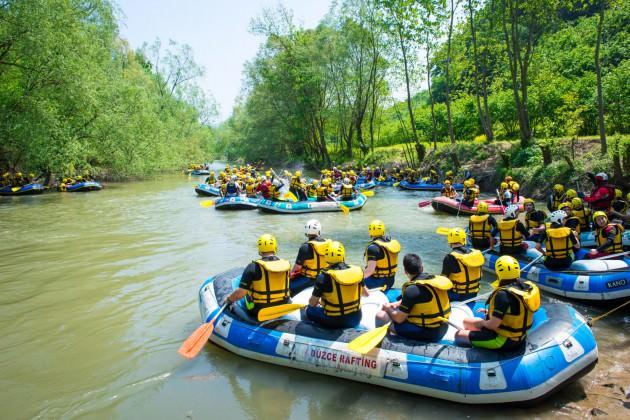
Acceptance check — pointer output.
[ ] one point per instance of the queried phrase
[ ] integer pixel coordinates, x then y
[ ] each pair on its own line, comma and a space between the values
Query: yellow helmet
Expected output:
576, 202
504, 185
315, 181
267, 243
335, 253
472, 181
507, 268
628, 196
482, 207
267, 174
447, 182
528, 201
31, 175
467, 183
376, 228
558, 188
5, 175
618, 193
515, 186
79, 178
449, 173
18, 174
600, 213
298, 173
565, 204
456, 236
326, 182
571, 194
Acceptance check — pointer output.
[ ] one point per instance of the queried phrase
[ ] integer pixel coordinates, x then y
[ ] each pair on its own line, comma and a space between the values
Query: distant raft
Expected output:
28, 189
84, 186
208, 190
587, 239
426, 186
559, 349
310, 206
365, 185
593, 280
236, 203
452, 206
200, 172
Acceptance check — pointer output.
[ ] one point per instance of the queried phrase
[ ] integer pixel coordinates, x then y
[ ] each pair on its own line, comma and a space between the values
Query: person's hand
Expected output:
592, 252
482, 311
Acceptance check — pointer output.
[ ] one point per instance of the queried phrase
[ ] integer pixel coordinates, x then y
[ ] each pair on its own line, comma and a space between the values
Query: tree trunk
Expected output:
433, 123
451, 134
598, 73
407, 84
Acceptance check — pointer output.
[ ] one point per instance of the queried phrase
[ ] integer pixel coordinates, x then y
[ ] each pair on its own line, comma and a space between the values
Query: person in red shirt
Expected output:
602, 195
263, 187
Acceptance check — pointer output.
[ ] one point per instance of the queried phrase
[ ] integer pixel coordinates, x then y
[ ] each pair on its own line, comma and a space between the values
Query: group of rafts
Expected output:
19, 185
558, 348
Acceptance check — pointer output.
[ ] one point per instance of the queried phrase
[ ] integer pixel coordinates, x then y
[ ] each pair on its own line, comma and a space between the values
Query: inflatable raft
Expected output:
200, 172
425, 186
84, 186
452, 206
236, 203
588, 238
310, 206
28, 189
208, 190
559, 349
365, 185
594, 280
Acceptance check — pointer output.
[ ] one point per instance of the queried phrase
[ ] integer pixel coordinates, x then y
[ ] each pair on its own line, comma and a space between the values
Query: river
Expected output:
98, 290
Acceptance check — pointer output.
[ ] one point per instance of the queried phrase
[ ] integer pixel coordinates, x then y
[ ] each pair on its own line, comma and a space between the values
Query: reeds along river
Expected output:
98, 290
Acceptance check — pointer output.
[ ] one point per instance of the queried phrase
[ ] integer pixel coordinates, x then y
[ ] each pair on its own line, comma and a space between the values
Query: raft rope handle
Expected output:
591, 320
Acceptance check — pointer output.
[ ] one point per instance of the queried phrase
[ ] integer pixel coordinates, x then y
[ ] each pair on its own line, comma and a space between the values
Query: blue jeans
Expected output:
298, 284
415, 332
373, 282
316, 314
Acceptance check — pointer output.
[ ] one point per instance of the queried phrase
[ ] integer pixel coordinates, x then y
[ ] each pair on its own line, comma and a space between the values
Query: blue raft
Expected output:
310, 206
559, 349
236, 203
588, 239
593, 280
28, 189
208, 190
425, 186
200, 172
365, 185
84, 186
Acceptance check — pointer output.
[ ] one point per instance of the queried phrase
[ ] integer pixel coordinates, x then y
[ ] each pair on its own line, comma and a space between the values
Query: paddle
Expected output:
343, 208
395, 184
14, 189
424, 203
367, 341
452, 324
605, 257
459, 207
368, 193
500, 201
195, 342
277, 311
442, 230
206, 203
290, 195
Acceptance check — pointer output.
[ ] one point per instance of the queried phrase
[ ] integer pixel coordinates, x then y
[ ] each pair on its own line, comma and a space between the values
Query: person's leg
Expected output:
374, 283
486, 339
300, 283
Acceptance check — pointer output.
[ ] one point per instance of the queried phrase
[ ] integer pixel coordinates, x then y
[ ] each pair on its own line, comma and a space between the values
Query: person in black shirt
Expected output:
424, 308
310, 260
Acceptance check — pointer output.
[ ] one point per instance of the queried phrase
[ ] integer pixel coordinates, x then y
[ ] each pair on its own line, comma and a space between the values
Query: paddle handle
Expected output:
214, 318
605, 257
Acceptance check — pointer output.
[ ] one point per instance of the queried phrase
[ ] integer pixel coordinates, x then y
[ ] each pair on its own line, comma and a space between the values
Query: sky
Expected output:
217, 31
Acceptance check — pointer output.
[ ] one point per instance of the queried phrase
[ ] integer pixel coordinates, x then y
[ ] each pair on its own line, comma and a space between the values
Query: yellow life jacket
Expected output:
211, 179
449, 192
617, 246
510, 237
470, 194
558, 242
479, 227
556, 200
274, 192
273, 285
467, 280
621, 204
428, 314
250, 189
296, 182
347, 191
345, 297
584, 215
515, 326
312, 191
529, 223
386, 266
311, 268
322, 192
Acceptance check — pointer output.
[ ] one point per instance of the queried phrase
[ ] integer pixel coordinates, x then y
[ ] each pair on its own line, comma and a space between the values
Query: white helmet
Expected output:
557, 216
602, 175
346, 180
263, 178
313, 228
233, 178
512, 211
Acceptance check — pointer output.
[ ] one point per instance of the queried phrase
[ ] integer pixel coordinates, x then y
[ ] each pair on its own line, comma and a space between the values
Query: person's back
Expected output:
481, 227
347, 190
311, 260
462, 266
381, 257
559, 243
512, 232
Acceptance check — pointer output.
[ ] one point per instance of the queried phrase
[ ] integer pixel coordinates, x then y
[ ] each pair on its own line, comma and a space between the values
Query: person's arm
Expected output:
365, 291
449, 266
521, 228
236, 295
372, 256
369, 269
575, 240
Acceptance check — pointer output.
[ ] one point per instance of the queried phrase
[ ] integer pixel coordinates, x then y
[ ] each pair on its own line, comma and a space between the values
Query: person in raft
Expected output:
482, 227
424, 309
336, 299
264, 282
560, 242
381, 257
310, 260
462, 267
509, 316
608, 236
512, 232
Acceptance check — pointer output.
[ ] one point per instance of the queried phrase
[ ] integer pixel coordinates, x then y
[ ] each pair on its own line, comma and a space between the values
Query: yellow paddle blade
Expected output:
207, 203
367, 341
290, 195
395, 184
344, 209
273, 312
14, 189
368, 193
443, 230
